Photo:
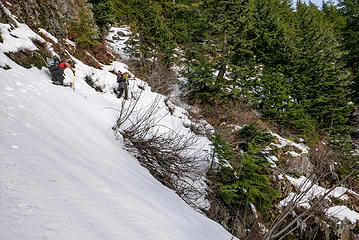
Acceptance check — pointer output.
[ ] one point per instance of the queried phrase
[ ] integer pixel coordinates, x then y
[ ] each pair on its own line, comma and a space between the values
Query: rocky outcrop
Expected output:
52, 15
295, 163
293, 157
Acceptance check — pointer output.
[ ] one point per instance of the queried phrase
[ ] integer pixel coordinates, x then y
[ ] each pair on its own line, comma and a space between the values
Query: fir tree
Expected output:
155, 38
84, 30
319, 86
350, 9
103, 11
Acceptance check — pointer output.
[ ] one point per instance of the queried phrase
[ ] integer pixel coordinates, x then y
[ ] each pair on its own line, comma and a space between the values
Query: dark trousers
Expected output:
122, 87
57, 76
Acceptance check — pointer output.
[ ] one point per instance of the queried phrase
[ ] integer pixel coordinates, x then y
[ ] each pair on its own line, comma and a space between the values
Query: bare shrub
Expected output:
323, 159
169, 160
92, 83
170, 157
291, 217
126, 112
161, 78
101, 53
87, 58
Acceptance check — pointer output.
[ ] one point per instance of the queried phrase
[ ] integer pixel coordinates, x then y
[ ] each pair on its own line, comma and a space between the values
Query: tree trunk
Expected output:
223, 64
142, 55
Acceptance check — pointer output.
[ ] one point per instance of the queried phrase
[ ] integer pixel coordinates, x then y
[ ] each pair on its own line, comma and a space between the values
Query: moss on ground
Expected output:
27, 58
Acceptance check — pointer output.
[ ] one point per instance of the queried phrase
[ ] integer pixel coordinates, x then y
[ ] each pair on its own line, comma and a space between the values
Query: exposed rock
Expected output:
296, 163
344, 231
52, 15
293, 157
231, 223
4, 18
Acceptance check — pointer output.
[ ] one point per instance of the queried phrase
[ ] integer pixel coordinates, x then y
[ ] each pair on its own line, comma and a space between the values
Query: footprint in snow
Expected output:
28, 208
9, 185
35, 89
21, 106
19, 83
8, 94
14, 147
23, 91
8, 89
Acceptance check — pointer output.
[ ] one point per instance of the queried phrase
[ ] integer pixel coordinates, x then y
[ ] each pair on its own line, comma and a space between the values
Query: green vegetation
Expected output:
247, 180
84, 31
296, 66
103, 11
27, 58
350, 9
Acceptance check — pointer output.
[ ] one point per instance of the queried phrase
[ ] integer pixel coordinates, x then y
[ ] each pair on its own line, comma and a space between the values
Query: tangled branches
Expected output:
169, 156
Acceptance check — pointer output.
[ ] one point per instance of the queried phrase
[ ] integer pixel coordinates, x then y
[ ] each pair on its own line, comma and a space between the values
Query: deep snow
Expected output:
64, 176
63, 173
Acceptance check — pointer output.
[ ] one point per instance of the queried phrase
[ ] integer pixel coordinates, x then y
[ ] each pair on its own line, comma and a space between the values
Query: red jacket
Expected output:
64, 65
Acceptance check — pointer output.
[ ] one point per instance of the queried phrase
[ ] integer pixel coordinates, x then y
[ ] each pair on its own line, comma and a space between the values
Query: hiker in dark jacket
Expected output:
57, 71
122, 80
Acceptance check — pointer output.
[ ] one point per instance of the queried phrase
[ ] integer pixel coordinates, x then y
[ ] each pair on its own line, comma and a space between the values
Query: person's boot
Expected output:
120, 91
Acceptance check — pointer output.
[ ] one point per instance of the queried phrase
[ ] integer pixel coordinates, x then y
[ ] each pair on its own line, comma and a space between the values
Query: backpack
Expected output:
53, 63
120, 77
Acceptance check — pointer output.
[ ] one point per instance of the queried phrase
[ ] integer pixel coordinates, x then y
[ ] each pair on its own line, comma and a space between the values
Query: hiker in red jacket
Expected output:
57, 71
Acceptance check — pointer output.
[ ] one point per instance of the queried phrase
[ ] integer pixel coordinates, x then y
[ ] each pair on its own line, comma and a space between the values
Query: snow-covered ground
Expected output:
117, 38
308, 191
63, 174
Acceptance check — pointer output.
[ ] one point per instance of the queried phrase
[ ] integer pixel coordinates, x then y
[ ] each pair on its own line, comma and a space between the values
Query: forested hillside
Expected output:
278, 65
277, 81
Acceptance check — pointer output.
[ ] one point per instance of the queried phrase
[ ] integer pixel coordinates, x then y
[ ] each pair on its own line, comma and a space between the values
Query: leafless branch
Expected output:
307, 213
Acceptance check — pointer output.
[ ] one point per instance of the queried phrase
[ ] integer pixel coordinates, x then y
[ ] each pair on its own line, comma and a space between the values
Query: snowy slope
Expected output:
63, 175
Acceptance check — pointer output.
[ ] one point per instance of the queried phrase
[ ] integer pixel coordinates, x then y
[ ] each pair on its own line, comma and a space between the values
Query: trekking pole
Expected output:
73, 82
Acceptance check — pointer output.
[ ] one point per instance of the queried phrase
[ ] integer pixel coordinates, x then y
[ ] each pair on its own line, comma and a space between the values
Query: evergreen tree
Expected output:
103, 11
285, 62
228, 36
350, 9
155, 38
319, 86
247, 181
275, 54
84, 31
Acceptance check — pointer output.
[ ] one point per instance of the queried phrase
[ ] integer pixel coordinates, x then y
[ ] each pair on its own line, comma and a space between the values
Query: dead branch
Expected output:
169, 156
307, 213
